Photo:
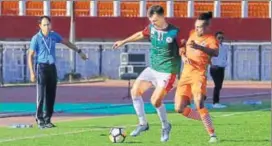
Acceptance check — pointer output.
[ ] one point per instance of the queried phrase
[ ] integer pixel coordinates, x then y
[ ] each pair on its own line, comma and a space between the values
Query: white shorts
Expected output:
158, 79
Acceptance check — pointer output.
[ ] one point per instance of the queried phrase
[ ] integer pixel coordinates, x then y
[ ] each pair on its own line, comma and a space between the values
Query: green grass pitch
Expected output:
238, 125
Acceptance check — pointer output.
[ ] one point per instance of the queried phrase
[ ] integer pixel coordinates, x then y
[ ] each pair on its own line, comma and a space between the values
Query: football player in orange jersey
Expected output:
200, 47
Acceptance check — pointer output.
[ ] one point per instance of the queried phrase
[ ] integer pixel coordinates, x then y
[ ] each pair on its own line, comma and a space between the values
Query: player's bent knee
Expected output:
156, 102
135, 92
180, 105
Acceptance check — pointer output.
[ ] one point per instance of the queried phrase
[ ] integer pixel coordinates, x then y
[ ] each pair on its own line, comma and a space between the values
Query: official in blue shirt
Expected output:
43, 44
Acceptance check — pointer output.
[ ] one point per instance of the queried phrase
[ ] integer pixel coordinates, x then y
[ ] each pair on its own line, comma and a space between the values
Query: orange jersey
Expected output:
199, 59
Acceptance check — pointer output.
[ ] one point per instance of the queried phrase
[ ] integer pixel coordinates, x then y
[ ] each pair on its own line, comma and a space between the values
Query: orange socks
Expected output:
206, 119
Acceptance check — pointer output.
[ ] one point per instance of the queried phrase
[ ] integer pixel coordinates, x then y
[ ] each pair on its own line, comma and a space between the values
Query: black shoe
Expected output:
49, 125
41, 126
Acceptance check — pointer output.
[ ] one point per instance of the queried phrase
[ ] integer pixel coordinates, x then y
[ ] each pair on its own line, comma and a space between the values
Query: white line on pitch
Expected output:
45, 135
241, 113
56, 134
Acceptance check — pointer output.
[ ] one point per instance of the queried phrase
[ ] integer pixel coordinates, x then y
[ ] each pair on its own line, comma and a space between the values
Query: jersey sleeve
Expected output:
33, 44
146, 31
213, 43
57, 37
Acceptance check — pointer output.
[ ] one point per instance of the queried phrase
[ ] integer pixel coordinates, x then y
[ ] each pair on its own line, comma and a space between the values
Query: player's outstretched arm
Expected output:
133, 38
74, 47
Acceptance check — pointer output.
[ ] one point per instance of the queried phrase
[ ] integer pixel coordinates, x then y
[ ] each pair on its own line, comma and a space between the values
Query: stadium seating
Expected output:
130, 9
82, 8
34, 8
9, 8
58, 8
231, 9
180, 9
202, 6
258, 9
105, 8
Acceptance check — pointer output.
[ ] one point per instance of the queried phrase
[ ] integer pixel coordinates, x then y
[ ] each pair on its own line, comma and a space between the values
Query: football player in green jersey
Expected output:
162, 73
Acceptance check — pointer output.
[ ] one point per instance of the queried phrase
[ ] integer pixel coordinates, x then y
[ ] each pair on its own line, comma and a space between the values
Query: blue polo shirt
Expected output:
45, 46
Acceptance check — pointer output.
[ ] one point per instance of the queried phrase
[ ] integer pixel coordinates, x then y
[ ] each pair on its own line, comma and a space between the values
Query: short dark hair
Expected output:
218, 33
155, 9
206, 17
44, 17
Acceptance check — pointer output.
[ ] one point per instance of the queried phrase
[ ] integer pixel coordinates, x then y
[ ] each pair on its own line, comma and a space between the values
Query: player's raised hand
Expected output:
117, 44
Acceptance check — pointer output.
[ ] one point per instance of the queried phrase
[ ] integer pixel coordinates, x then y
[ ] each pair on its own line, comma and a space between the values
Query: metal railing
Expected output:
246, 60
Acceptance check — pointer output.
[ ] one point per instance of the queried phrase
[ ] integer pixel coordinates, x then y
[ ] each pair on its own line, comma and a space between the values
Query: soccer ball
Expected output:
117, 135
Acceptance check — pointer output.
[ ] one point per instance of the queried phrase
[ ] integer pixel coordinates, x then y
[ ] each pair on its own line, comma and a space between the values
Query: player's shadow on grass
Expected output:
129, 142
133, 142
244, 140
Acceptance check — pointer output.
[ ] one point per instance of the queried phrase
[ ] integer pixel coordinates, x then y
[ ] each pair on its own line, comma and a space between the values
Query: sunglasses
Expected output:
220, 38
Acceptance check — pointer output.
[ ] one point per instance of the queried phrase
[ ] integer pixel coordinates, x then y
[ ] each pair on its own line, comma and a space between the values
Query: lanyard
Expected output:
50, 43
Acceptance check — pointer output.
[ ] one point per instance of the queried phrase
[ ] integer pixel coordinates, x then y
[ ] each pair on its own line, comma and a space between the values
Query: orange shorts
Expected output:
189, 86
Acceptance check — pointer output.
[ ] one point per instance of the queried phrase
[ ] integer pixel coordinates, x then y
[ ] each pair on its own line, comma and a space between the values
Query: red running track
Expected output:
113, 91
